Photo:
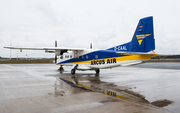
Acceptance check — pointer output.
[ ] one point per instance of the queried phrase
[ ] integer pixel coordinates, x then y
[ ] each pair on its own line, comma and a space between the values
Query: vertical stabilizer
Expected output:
143, 39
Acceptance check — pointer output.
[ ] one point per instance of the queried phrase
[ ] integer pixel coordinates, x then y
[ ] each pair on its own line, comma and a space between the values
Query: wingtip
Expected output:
5, 47
9, 47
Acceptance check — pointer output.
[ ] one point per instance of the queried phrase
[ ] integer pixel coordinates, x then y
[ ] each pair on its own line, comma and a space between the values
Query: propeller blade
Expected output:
90, 45
55, 58
50, 51
55, 55
55, 43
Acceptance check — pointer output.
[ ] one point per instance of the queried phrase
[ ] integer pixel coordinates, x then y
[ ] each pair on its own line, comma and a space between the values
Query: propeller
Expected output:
55, 53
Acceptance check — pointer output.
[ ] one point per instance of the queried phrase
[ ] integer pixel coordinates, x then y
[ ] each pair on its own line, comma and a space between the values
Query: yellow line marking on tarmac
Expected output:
104, 92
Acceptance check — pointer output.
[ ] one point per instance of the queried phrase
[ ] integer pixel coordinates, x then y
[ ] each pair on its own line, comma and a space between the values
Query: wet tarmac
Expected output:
38, 88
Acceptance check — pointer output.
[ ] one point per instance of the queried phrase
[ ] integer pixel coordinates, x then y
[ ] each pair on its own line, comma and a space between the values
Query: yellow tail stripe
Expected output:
142, 35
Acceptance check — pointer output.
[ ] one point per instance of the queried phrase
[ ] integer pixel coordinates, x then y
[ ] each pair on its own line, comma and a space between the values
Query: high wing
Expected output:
47, 49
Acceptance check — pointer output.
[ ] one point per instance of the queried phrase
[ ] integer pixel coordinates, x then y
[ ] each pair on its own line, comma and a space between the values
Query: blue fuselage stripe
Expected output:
102, 54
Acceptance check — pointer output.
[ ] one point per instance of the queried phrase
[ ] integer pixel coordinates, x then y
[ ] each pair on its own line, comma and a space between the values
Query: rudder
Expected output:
143, 39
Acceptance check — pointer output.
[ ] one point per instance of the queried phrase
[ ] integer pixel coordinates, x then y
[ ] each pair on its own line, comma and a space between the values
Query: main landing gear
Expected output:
73, 71
61, 69
97, 71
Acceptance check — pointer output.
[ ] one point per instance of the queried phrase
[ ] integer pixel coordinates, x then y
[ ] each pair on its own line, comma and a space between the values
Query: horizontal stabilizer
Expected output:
167, 54
132, 63
135, 53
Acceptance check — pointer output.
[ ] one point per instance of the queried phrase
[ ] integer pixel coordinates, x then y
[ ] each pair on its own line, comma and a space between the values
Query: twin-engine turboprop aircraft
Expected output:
131, 53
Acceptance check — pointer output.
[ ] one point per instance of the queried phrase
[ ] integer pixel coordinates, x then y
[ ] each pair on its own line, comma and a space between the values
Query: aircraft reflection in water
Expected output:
90, 78
93, 83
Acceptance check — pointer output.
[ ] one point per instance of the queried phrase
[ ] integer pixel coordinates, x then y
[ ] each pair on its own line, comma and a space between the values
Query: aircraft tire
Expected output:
97, 71
73, 71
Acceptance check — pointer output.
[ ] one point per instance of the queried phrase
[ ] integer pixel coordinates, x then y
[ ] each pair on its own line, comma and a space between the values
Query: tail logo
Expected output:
141, 37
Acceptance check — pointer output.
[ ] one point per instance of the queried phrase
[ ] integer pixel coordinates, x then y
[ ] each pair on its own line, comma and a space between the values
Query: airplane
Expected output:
134, 52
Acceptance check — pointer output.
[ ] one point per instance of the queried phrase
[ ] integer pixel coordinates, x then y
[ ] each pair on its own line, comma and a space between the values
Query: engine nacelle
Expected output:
58, 53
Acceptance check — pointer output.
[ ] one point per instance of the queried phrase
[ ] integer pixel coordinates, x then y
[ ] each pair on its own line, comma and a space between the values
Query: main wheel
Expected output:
73, 71
97, 71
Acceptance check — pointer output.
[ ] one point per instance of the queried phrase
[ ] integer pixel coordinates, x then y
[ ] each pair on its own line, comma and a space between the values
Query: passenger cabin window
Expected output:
86, 56
67, 56
70, 56
83, 56
96, 56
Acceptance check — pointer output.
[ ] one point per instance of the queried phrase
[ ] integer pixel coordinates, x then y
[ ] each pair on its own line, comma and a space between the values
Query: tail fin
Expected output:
143, 39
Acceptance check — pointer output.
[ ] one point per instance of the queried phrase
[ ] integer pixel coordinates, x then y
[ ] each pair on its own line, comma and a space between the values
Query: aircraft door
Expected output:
75, 56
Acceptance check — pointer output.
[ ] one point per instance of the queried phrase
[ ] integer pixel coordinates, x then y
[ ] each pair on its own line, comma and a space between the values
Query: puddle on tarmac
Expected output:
62, 88
162, 103
109, 100
94, 82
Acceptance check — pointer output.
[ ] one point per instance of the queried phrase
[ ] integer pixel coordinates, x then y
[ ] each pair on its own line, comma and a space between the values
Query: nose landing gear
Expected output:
61, 68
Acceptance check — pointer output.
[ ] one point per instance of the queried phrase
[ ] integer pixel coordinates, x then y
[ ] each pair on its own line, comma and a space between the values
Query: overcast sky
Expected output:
77, 23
